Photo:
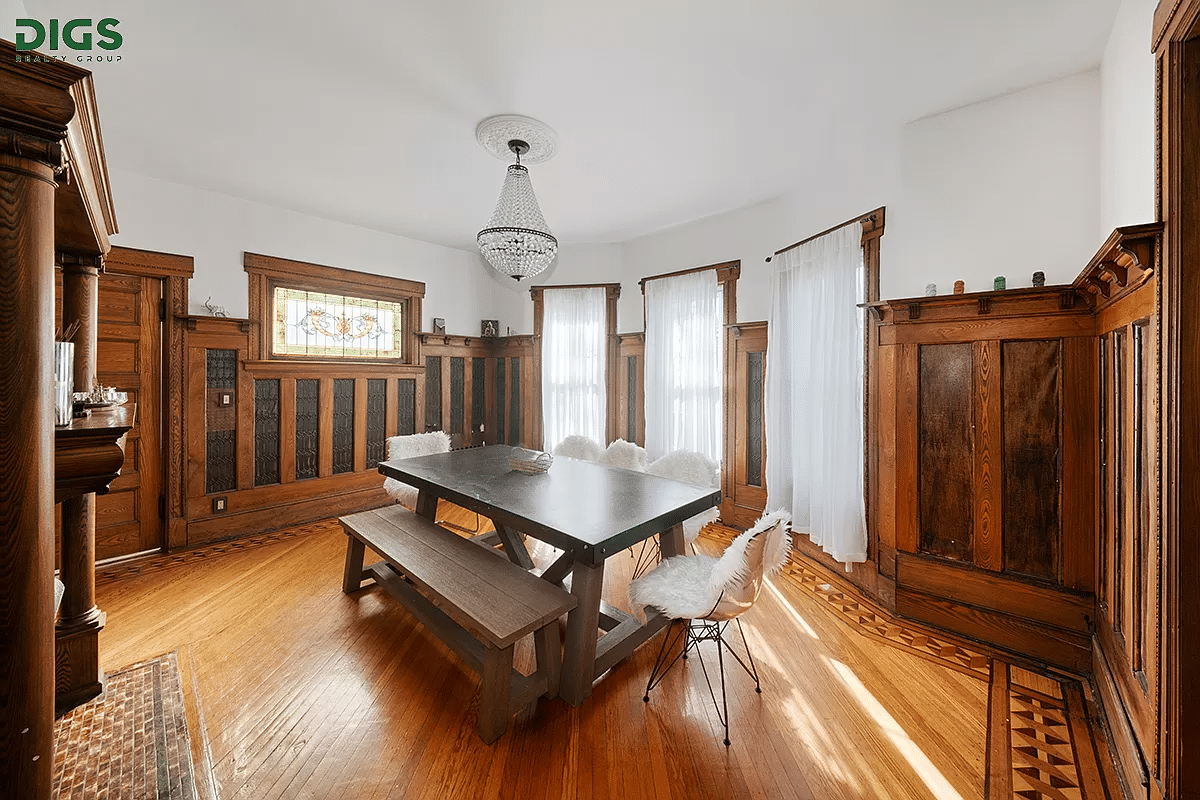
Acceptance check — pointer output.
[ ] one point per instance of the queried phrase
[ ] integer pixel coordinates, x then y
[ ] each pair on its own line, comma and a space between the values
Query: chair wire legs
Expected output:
694, 632
647, 556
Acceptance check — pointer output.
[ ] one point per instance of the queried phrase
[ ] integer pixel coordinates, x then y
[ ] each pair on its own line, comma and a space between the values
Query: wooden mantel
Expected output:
89, 452
55, 202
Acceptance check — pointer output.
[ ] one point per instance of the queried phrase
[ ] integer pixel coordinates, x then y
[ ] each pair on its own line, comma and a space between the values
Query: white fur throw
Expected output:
625, 455
411, 446
579, 446
687, 466
687, 587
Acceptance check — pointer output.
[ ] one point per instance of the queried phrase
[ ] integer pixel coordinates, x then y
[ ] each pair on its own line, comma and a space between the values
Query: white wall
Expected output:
10, 12
1003, 187
215, 229
1127, 87
958, 188
576, 263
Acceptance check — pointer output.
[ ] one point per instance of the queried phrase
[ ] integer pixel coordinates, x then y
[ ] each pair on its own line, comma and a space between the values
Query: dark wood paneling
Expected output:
631, 398
1119, 472
1032, 469
478, 398
500, 398
755, 430
343, 425
514, 402
376, 421
266, 431
433, 393
945, 456
406, 407
457, 395
308, 394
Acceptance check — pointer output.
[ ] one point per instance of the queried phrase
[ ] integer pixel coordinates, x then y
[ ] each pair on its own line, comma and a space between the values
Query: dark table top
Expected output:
587, 508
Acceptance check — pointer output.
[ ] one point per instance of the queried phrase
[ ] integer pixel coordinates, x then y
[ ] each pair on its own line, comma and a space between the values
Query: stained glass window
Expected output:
324, 325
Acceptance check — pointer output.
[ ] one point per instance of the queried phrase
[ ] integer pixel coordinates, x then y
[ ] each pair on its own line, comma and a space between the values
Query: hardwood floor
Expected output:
295, 690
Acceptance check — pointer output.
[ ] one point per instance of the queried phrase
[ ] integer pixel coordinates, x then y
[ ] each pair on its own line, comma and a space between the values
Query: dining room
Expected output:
598, 401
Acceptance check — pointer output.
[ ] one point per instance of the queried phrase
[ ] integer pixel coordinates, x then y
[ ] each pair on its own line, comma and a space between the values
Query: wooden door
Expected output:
129, 357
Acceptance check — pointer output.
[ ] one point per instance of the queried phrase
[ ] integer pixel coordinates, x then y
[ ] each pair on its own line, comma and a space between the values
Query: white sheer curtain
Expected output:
814, 386
573, 396
684, 324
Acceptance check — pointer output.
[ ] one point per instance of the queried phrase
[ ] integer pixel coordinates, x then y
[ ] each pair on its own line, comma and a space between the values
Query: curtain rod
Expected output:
868, 217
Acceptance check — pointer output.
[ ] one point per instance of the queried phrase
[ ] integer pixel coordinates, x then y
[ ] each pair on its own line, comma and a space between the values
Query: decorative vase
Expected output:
64, 369
998, 284
959, 287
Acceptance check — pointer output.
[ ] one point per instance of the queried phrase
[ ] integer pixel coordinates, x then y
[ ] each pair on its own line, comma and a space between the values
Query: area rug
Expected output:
130, 743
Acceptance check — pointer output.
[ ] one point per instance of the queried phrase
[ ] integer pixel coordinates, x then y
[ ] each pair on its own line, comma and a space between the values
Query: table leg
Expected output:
352, 578
427, 503
514, 548
671, 542
583, 631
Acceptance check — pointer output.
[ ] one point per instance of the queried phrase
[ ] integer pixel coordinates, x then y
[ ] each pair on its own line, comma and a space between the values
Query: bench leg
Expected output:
494, 691
547, 644
352, 579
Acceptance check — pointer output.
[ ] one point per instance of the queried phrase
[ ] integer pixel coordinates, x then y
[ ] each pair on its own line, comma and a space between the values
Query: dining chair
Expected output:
411, 446
707, 593
625, 455
579, 446
689, 466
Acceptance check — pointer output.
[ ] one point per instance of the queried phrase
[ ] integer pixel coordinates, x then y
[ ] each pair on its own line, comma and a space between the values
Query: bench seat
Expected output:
471, 597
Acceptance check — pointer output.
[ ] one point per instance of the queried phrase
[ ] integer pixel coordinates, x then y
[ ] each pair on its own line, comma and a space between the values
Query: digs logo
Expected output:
75, 34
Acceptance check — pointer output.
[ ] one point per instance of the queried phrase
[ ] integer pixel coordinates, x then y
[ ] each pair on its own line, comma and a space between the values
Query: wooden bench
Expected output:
475, 600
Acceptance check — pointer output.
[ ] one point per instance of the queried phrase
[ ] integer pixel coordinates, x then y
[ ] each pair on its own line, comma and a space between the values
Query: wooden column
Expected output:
27, 458
77, 643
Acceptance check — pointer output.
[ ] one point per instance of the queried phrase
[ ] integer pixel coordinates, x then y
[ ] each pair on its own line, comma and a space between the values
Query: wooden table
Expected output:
588, 511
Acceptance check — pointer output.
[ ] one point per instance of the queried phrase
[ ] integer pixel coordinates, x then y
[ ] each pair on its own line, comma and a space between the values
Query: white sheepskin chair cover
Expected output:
579, 446
689, 587
625, 455
688, 466
411, 446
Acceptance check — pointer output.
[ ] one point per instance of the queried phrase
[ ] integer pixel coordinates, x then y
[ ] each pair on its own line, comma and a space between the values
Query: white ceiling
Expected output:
666, 110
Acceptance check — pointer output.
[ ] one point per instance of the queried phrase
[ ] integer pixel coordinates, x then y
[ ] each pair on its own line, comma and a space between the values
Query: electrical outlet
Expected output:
220, 504
224, 399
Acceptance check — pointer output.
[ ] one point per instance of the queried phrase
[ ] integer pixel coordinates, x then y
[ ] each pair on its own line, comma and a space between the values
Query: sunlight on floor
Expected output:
792, 612
920, 763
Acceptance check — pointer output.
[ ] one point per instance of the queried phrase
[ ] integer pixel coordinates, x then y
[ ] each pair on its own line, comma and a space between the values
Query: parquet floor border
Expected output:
1051, 738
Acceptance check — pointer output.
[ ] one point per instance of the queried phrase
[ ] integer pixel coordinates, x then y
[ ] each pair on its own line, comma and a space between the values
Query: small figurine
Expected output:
931, 290
998, 284
1039, 278
959, 287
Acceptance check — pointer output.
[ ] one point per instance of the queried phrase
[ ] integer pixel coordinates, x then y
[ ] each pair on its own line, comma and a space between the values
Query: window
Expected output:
574, 334
318, 313
325, 325
685, 322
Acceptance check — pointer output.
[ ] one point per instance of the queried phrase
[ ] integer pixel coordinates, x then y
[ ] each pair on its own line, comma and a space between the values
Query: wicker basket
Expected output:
530, 462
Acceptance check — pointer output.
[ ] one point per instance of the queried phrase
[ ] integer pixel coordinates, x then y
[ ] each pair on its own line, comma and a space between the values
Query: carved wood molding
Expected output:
612, 291
1125, 260
727, 271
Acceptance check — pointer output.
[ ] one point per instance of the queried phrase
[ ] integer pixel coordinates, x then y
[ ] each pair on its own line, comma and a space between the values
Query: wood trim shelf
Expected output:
89, 452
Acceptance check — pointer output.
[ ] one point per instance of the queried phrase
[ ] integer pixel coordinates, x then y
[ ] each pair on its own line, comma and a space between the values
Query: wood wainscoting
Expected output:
278, 443
1018, 476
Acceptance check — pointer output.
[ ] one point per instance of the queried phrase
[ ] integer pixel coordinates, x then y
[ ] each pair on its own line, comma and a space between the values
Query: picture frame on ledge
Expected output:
439, 325
489, 328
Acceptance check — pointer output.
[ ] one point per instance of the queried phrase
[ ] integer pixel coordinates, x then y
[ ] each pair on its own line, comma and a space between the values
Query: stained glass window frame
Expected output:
333, 326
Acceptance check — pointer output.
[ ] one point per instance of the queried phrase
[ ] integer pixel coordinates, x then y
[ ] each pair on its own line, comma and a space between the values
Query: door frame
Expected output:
1176, 46
174, 271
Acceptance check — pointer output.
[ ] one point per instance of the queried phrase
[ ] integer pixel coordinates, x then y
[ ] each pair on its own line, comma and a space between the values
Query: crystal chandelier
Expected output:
516, 240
